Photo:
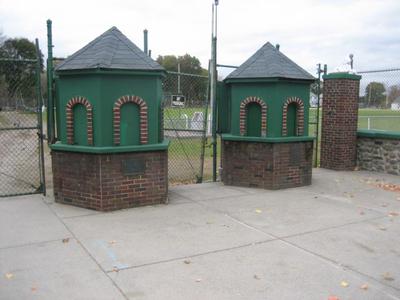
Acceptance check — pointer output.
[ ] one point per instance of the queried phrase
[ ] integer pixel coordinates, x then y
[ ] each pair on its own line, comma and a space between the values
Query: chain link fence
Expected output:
20, 164
379, 104
187, 126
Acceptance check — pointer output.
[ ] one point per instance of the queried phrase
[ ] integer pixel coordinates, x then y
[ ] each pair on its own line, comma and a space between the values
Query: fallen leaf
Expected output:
112, 242
33, 289
382, 228
9, 275
115, 269
259, 211
344, 284
364, 287
66, 240
387, 276
393, 214
333, 298
187, 261
256, 277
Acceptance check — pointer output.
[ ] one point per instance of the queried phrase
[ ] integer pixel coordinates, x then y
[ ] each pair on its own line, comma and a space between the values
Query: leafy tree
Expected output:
375, 94
188, 64
2, 38
394, 93
169, 62
18, 73
194, 88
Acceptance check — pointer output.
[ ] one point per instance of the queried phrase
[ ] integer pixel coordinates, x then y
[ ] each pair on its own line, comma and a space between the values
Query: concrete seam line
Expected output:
194, 255
86, 250
33, 244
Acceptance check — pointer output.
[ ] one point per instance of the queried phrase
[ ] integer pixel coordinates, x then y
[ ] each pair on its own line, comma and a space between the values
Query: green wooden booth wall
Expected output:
274, 93
103, 89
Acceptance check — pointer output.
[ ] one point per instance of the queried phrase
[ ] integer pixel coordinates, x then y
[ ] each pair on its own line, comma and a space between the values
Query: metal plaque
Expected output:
133, 166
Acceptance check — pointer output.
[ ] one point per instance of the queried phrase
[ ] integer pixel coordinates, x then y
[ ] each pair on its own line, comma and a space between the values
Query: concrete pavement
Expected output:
338, 237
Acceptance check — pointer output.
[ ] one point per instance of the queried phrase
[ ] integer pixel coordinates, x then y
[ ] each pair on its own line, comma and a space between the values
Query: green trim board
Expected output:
103, 150
291, 139
103, 71
341, 75
378, 134
267, 79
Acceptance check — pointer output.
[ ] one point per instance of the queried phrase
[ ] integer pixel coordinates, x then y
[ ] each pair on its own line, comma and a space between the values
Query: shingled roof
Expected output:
111, 50
269, 62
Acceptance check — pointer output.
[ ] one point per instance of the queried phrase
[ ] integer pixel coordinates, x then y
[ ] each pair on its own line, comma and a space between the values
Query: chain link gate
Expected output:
186, 125
21, 144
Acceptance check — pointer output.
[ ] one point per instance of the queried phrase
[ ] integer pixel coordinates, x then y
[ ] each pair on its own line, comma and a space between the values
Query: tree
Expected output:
375, 94
194, 88
188, 64
2, 38
393, 94
17, 71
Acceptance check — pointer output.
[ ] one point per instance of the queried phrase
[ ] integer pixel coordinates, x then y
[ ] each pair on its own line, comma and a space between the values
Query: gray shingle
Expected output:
268, 62
111, 50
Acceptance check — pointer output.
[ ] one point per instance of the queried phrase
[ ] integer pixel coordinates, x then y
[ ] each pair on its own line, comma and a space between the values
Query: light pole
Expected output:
213, 86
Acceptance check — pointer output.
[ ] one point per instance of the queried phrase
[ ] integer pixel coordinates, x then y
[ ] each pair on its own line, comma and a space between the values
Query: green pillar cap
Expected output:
341, 75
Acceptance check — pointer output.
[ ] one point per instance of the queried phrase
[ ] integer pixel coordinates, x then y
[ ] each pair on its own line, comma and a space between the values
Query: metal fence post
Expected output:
40, 118
50, 102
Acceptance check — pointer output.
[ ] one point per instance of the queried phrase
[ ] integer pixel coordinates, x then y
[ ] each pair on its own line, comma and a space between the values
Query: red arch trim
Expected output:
300, 115
143, 118
70, 119
243, 111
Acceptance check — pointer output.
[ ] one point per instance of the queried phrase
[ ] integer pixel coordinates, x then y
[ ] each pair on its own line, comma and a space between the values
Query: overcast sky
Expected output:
309, 31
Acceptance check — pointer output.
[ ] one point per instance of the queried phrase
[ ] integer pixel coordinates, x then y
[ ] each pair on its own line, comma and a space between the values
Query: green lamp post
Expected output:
110, 152
264, 121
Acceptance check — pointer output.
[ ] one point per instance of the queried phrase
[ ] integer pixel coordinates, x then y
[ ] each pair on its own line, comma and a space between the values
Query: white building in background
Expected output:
395, 104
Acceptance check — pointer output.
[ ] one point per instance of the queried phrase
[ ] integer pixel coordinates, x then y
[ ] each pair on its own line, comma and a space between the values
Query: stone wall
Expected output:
110, 181
267, 165
378, 154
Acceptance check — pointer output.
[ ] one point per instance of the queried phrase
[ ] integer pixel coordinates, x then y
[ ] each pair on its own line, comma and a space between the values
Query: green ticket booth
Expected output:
263, 118
110, 153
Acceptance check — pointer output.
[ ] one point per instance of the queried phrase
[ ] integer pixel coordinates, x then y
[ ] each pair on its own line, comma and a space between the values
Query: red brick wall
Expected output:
267, 165
97, 181
339, 124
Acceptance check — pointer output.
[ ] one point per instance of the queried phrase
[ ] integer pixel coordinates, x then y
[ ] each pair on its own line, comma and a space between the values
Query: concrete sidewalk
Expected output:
339, 237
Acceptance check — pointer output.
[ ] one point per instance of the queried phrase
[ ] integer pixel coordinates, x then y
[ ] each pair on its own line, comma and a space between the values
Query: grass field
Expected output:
189, 149
380, 119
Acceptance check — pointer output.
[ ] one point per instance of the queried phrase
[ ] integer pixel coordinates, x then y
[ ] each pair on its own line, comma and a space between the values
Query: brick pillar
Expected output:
339, 121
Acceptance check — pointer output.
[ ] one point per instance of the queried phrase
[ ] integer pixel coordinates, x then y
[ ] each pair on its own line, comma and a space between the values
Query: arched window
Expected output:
130, 121
293, 117
130, 124
79, 122
253, 117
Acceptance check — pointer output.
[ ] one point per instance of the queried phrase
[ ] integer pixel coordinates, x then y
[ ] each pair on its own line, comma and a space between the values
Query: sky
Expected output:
308, 31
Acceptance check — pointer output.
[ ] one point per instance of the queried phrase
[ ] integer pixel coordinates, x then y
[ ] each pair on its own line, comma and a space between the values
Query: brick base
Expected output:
109, 182
267, 165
